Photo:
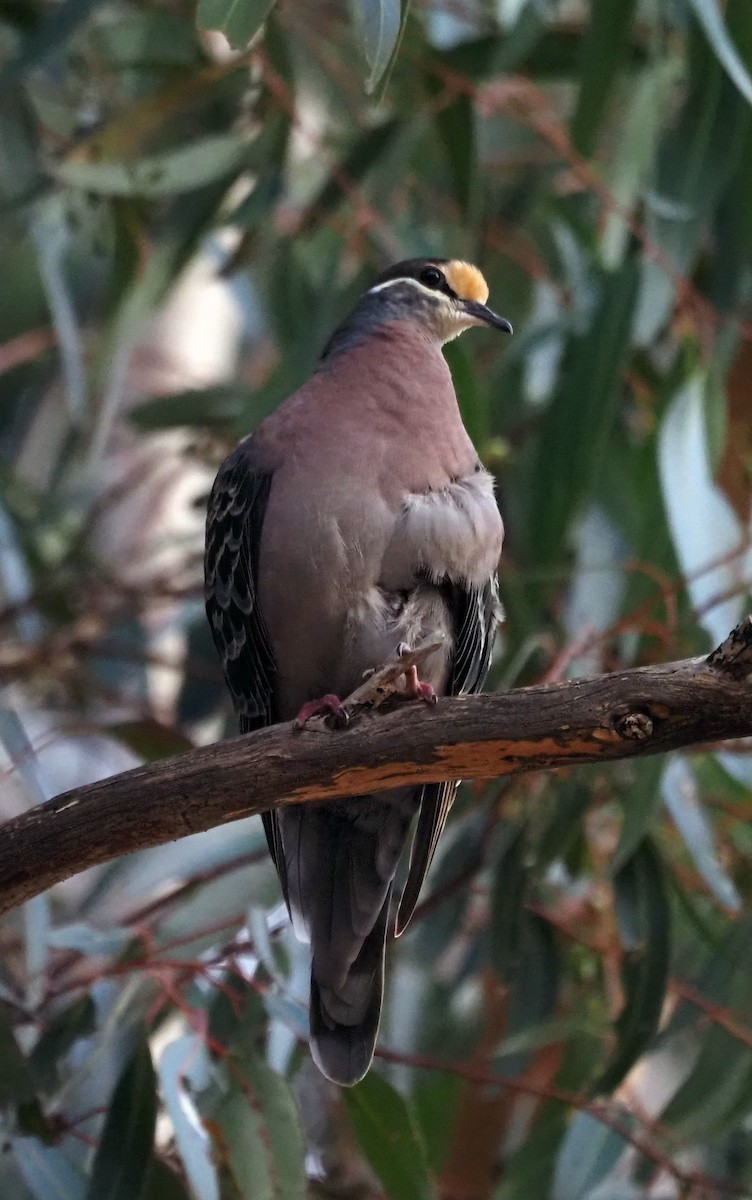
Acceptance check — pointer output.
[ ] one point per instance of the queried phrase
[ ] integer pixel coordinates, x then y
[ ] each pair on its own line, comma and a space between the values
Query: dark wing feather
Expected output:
475, 613
233, 536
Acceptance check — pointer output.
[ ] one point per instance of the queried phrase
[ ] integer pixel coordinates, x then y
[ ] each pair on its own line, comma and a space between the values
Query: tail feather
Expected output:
345, 1021
340, 860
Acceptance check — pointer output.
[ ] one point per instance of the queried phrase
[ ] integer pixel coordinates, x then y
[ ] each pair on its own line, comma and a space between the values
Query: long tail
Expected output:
345, 1019
340, 860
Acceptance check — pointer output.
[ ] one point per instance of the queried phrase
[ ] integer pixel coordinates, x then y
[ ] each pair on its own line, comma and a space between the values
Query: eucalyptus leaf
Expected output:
183, 169
710, 16
177, 1063
387, 1136
588, 1154
257, 1134
124, 1154
378, 23
644, 930
602, 54
704, 526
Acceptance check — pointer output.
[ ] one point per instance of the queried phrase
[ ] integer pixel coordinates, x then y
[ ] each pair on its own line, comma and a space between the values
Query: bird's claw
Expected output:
327, 706
416, 689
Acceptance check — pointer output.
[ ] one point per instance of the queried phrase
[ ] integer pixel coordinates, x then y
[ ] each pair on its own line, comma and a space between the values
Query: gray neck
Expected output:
393, 303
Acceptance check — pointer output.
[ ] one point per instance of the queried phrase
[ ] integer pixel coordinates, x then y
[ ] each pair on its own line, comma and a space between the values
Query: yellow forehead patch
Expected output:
466, 280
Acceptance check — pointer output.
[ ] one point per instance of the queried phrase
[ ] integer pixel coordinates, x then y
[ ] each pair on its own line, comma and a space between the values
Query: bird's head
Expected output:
446, 295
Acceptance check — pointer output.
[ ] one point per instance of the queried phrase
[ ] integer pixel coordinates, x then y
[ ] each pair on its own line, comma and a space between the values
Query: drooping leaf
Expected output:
378, 24
257, 1133
717, 1087
643, 917
183, 169
533, 985
602, 54
386, 1134
124, 1154
507, 901
434, 1100
709, 14
580, 418
191, 1139
588, 1153
640, 802
704, 527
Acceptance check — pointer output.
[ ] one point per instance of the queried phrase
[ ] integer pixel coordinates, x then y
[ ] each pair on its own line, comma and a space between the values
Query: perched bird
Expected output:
356, 518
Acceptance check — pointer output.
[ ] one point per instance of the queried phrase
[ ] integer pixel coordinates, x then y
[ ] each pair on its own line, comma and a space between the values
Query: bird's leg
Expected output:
329, 706
414, 687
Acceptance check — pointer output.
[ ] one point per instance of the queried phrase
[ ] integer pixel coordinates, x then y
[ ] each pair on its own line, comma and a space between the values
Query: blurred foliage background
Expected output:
183, 219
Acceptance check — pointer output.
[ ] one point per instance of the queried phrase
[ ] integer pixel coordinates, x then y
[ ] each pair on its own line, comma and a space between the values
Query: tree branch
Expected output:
647, 710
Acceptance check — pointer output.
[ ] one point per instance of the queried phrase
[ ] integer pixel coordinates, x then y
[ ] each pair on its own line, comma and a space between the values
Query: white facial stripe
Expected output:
379, 287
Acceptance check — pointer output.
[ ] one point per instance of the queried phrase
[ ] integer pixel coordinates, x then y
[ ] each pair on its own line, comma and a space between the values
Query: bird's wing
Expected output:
233, 537
475, 614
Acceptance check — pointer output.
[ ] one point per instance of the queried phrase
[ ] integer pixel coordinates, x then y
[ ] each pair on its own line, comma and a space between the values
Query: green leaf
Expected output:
378, 23
571, 449
710, 17
643, 918
386, 1134
258, 1134
123, 1158
588, 1153
183, 169
191, 1139
718, 1085
602, 55
508, 888
529, 1170
239, 20
435, 1101
639, 803
533, 979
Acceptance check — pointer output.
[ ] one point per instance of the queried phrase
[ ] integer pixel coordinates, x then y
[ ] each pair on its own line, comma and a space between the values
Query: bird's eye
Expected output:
431, 277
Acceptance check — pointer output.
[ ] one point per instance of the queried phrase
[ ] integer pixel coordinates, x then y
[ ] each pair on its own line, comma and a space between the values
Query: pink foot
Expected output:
329, 705
415, 688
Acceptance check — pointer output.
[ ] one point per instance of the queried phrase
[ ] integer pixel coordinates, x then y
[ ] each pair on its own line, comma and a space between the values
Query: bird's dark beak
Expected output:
486, 315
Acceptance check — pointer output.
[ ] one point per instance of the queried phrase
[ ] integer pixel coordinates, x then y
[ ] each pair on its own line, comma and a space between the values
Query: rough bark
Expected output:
647, 710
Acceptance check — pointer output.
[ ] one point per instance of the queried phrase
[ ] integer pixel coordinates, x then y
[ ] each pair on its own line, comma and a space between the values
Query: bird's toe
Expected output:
326, 706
